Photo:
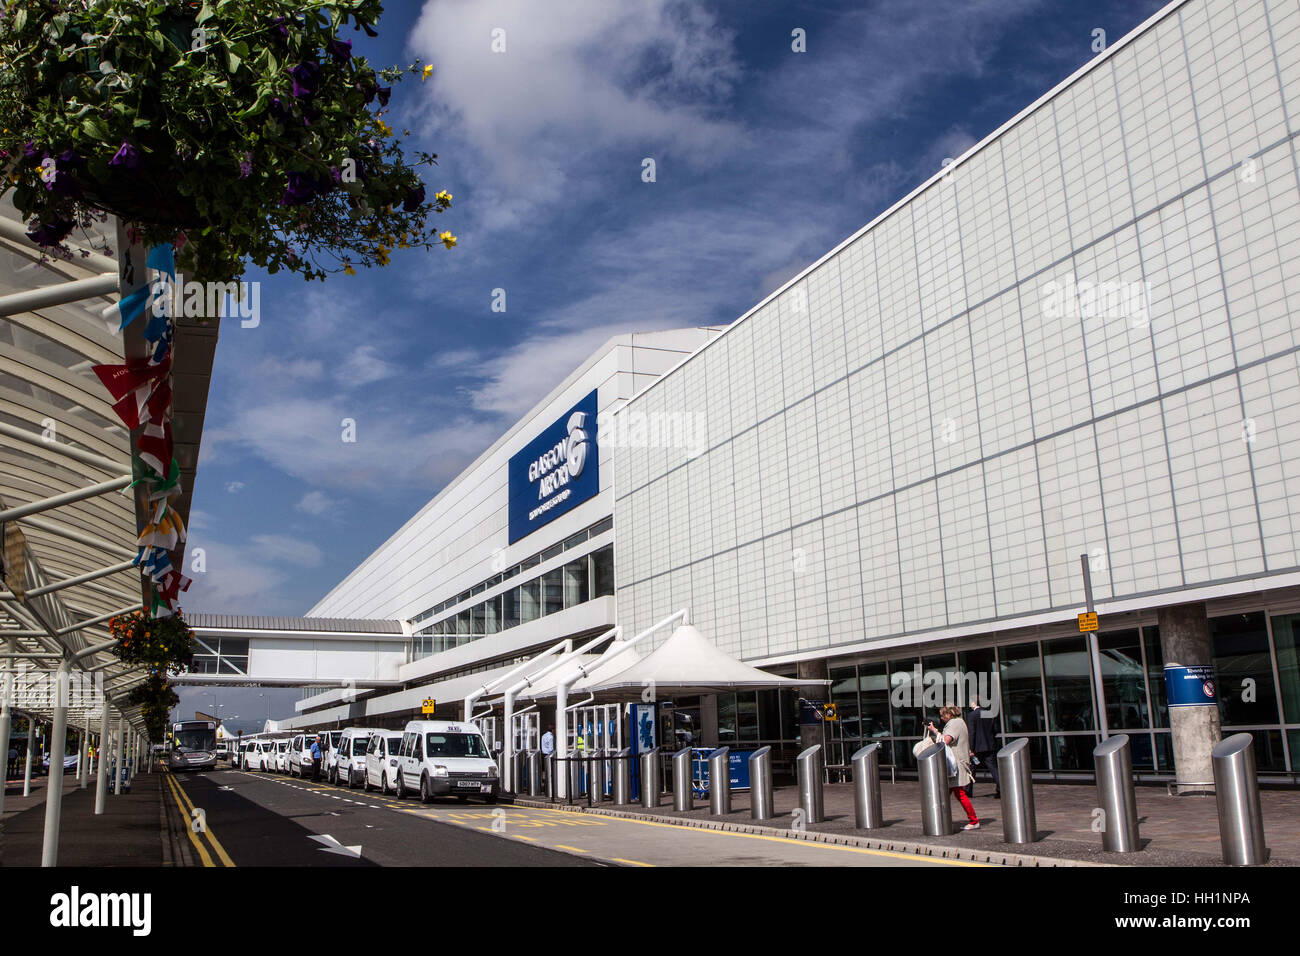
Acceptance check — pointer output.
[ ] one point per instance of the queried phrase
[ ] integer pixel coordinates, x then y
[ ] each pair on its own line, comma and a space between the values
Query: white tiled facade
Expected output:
908, 441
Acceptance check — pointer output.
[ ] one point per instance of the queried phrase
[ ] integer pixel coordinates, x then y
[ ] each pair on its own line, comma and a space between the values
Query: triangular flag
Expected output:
120, 379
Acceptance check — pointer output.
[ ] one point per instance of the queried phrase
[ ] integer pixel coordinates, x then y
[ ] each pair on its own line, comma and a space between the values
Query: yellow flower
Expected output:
428, 72
448, 239
442, 196
381, 256
348, 270
384, 128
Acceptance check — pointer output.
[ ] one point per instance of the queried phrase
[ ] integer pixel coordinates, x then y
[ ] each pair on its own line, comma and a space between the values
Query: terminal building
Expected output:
1068, 362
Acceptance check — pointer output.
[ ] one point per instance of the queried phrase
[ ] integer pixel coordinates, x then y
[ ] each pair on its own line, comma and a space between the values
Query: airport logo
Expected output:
77, 910
556, 470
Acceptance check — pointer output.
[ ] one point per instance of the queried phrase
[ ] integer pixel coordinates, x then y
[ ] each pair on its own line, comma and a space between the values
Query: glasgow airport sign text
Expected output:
555, 471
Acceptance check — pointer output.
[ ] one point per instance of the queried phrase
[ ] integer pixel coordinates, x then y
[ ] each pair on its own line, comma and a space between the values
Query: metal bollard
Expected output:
1241, 823
550, 777
810, 783
596, 778
1116, 796
650, 779
1019, 824
534, 773
683, 798
517, 770
761, 804
574, 766
868, 805
720, 781
936, 807
622, 777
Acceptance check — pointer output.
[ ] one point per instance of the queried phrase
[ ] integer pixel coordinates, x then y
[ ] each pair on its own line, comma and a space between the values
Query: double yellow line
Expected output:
186, 807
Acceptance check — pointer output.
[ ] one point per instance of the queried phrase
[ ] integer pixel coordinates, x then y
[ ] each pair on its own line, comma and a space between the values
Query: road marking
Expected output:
207, 830
619, 859
203, 853
573, 849
787, 840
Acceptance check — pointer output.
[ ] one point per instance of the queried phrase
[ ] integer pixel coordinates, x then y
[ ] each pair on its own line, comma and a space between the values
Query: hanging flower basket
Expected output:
162, 644
238, 132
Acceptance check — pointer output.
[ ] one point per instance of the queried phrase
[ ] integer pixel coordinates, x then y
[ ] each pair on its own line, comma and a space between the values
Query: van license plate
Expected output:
486, 788
467, 783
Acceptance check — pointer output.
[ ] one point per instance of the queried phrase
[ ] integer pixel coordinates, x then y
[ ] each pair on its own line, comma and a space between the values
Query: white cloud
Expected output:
316, 503
363, 367
280, 547
235, 487
233, 579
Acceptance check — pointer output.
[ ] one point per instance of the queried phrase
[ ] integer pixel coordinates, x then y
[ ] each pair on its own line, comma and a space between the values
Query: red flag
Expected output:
120, 379
129, 406
159, 401
155, 446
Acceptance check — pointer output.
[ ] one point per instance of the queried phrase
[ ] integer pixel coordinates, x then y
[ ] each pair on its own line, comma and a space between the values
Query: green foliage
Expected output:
230, 128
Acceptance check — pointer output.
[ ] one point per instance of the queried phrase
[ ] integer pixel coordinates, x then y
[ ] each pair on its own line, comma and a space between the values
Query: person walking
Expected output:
957, 736
984, 746
548, 751
317, 758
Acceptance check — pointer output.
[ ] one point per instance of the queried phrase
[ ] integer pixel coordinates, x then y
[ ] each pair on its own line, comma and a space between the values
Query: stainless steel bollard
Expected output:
720, 781
596, 778
574, 768
650, 779
517, 770
1241, 824
683, 799
1019, 823
622, 777
534, 773
936, 806
761, 804
868, 808
809, 765
1116, 796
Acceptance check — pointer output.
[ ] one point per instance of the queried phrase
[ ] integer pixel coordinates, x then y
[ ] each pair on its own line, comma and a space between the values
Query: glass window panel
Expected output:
575, 582
726, 719
204, 664
1022, 691
686, 722
1123, 682
1156, 676
873, 693
844, 693
906, 691
1164, 752
577, 539
1268, 750
769, 715
602, 572
1067, 666
1073, 752
462, 622
1243, 671
510, 608
789, 715
551, 552
530, 600
553, 591
1286, 640
600, 527
234, 646
979, 678
747, 716
492, 615
234, 665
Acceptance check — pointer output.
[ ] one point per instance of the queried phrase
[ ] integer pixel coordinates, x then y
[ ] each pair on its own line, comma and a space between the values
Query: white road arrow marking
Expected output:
334, 846
225, 788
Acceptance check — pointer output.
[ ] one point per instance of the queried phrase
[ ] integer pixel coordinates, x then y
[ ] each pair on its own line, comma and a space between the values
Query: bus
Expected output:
193, 745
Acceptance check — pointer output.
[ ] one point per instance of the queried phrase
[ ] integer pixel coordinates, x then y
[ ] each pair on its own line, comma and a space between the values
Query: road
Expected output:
259, 819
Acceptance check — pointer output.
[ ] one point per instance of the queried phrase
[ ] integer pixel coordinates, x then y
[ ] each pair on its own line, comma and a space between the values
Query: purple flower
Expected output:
278, 109
384, 93
31, 150
306, 77
246, 166
50, 234
278, 27
340, 50
125, 156
336, 174
300, 190
414, 197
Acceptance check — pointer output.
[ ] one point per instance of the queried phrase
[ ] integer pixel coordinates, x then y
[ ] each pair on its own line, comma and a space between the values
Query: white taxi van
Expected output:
350, 761
439, 758
381, 760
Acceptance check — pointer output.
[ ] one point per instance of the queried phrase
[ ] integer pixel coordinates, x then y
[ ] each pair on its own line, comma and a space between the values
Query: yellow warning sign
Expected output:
832, 712
1087, 622
430, 705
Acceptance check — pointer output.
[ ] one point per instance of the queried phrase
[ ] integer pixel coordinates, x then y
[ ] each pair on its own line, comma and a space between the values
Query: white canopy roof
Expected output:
686, 663
594, 665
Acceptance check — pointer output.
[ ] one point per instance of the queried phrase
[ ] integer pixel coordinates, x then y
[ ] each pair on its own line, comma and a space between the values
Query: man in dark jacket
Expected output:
984, 744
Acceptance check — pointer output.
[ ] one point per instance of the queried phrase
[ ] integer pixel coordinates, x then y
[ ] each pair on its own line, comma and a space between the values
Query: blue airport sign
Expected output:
556, 471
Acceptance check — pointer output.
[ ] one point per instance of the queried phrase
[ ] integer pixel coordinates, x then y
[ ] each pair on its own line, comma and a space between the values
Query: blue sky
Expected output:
765, 159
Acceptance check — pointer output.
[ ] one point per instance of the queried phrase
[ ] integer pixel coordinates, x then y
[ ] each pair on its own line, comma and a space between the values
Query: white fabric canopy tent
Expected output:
686, 663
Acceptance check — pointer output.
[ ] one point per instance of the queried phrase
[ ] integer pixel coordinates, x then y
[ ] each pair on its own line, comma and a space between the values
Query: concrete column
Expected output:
1185, 641
54, 784
27, 769
810, 734
101, 761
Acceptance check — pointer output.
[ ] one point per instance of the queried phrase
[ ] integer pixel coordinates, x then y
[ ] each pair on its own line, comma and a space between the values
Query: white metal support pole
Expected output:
101, 760
83, 761
54, 784
27, 771
119, 761
6, 715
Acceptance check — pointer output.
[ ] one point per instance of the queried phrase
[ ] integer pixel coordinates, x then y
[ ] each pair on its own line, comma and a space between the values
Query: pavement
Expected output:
1174, 831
